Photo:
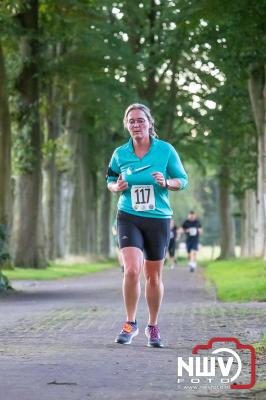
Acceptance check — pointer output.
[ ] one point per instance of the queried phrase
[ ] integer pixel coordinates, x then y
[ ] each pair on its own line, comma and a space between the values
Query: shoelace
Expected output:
154, 332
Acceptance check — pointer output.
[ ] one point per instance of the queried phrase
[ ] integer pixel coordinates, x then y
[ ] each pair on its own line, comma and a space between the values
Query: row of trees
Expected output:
243, 101
69, 69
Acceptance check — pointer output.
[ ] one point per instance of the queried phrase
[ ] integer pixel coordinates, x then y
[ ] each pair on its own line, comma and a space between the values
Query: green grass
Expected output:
56, 271
260, 346
238, 279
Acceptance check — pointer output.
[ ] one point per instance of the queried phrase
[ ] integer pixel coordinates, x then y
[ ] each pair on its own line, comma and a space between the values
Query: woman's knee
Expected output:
132, 272
154, 280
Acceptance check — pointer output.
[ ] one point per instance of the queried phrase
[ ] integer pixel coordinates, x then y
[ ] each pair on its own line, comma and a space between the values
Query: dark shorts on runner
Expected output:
172, 247
192, 245
151, 235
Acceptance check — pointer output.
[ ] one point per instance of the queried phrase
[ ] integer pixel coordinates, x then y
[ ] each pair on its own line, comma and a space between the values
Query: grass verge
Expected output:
57, 271
238, 279
260, 348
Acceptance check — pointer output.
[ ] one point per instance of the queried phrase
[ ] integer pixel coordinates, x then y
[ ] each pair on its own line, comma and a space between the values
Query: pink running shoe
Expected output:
153, 334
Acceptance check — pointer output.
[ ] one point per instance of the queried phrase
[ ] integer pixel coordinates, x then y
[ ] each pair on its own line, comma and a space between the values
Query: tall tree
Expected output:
27, 228
257, 90
5, 145
5, 157
223, 28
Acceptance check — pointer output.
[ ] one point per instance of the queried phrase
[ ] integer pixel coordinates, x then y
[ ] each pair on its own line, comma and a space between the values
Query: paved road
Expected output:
57, 339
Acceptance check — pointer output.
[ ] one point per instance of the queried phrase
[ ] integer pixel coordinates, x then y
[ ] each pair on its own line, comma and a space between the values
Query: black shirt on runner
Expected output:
191, 228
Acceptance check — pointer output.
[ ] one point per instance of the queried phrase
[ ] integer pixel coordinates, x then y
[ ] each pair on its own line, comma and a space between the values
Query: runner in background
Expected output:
174, 237
192, 228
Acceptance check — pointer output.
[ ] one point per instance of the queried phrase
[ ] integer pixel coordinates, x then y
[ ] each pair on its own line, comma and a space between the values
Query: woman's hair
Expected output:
146, 110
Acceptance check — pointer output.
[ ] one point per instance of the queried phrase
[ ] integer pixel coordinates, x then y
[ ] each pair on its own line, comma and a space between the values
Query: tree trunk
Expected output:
147, 91
50, 190
27, 246
227, 221
64, 200
248, 206
105, 220
257, 92
171, 106
92, 214
66, 180
83, 201
50, 173
83, 224
151, 70
5, 147
5, 164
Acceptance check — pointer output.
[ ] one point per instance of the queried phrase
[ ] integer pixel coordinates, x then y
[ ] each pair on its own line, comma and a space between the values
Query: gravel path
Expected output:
57, 339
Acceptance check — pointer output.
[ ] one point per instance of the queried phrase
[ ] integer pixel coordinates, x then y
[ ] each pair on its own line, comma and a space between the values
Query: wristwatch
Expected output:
172, 187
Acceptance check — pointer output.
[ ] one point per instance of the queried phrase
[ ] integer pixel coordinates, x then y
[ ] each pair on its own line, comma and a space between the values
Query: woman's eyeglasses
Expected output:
137, 121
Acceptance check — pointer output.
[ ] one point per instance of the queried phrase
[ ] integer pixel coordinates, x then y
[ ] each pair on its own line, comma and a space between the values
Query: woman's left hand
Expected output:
159, 178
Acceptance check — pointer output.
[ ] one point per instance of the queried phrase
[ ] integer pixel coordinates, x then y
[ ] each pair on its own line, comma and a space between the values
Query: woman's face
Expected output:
138, 124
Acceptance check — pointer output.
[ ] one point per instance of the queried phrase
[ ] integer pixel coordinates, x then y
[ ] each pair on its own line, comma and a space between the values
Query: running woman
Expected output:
192, 228
143, 170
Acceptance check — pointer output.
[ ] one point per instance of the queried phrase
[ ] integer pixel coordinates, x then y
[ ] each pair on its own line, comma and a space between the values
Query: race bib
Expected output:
142, 197
193, 231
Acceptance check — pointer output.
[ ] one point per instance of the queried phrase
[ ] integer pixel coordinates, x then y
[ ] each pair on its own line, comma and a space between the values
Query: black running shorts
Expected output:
172, 247
192, 245
151, 235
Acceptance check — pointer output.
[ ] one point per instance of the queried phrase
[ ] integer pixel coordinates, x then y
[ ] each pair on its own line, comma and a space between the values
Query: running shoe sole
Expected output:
129, 341
158, 346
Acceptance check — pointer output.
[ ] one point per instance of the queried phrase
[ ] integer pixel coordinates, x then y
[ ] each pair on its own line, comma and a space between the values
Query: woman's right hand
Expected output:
121, 184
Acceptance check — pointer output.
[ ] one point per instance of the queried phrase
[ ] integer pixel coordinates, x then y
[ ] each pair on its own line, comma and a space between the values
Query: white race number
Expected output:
142, 197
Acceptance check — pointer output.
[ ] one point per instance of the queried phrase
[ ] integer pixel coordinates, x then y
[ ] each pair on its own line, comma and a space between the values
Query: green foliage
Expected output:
49, 148
147, 52
60, 149
239, 280
201, 195
23, 153
184, 201
176, 56
63, 153
230, 125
